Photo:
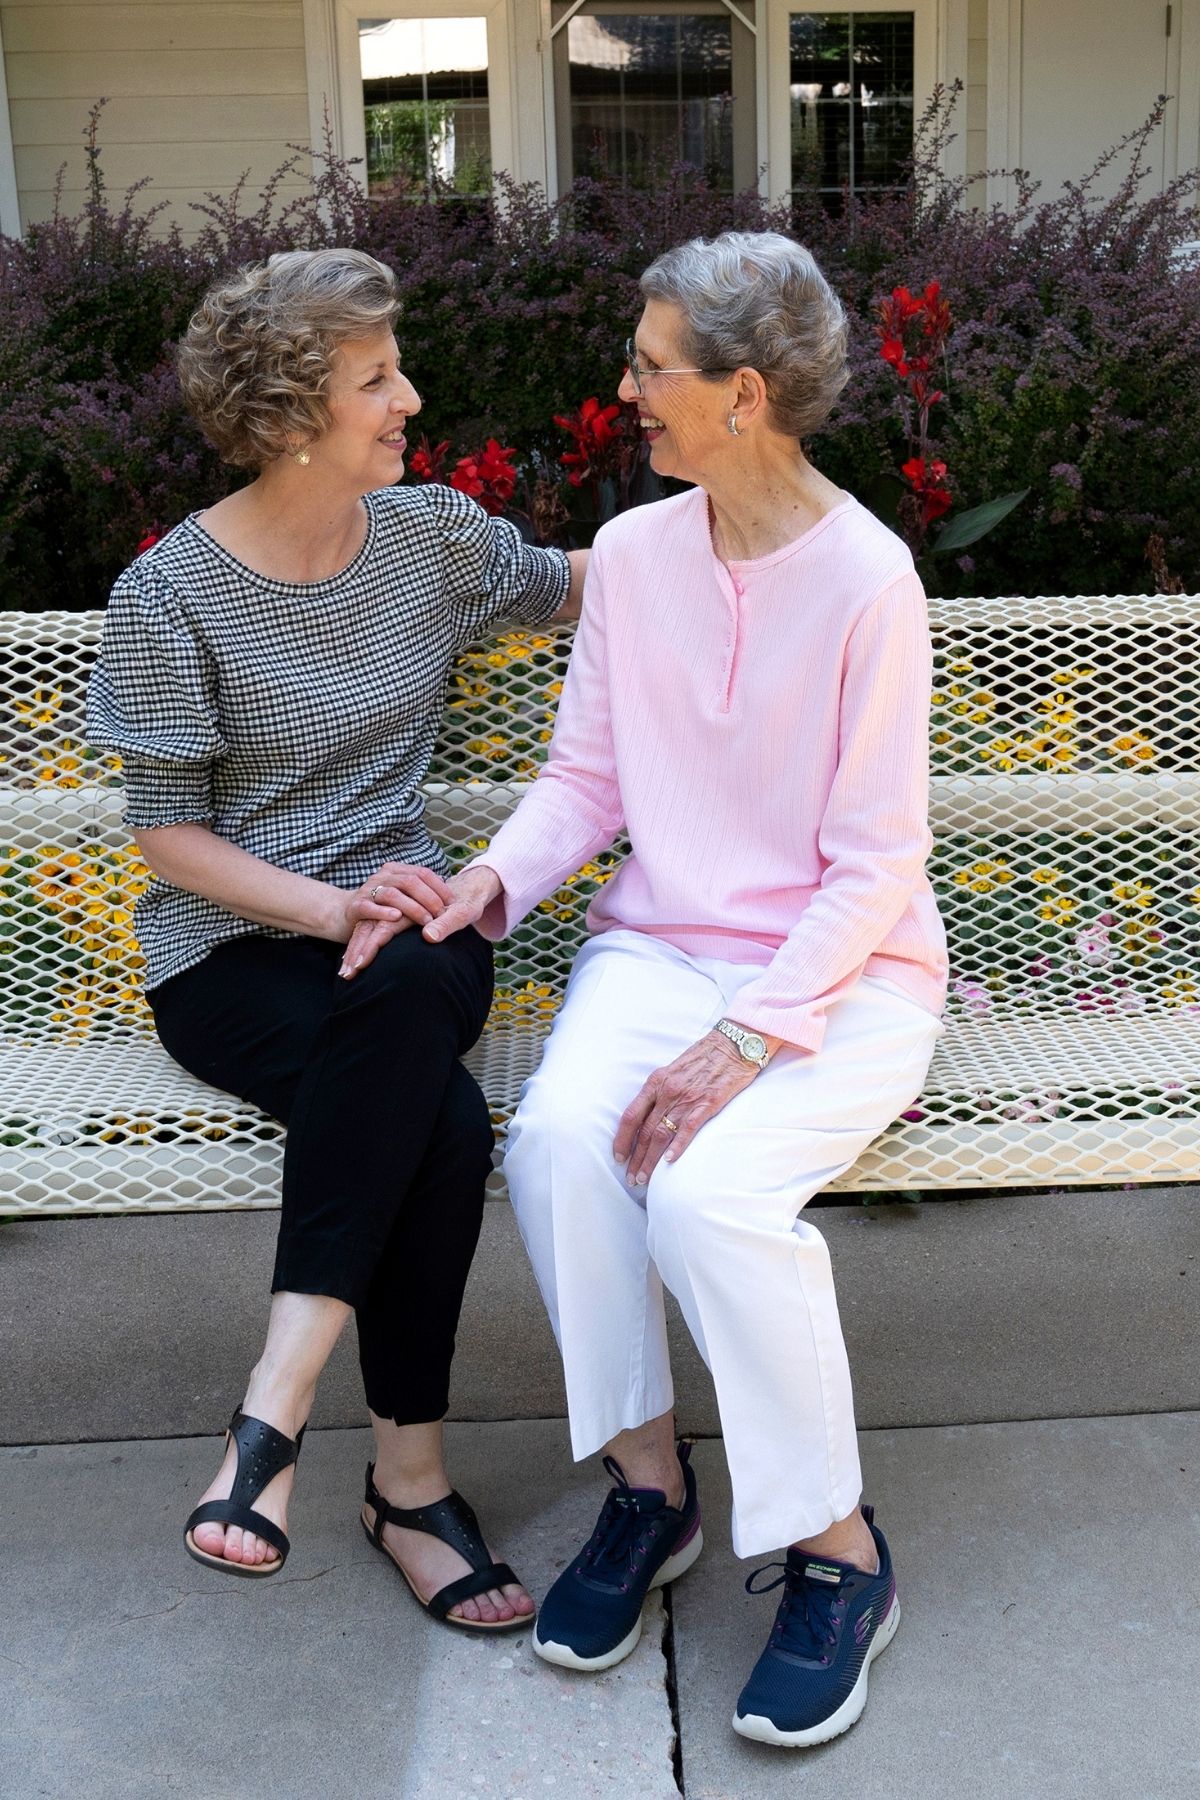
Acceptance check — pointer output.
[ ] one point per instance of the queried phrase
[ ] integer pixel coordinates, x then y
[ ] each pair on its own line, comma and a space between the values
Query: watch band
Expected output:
750, 1045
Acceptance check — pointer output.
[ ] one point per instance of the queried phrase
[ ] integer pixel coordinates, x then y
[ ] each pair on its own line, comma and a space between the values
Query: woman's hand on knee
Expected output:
676, 1101
388, 902
471, 893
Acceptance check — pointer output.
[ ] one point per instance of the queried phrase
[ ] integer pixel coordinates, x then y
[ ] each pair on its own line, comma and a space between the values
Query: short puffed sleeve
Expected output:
152, 698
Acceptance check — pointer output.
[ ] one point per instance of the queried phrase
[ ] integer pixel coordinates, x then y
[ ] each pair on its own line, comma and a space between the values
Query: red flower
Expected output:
597, 431
148, 542
488, 476
929, 481
425, 463
892, 351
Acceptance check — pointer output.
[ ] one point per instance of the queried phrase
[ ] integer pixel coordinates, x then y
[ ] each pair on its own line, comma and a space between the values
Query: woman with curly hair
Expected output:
272, 674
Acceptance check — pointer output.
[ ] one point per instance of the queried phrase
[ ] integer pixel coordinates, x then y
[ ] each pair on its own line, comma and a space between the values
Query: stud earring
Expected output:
733, 425
302, 457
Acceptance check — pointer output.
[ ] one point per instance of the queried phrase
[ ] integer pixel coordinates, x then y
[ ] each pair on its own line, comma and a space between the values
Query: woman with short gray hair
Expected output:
748, 701
272, 673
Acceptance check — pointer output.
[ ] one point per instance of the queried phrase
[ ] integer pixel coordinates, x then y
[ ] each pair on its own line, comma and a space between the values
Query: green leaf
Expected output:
608, 499
968, 527
882, 496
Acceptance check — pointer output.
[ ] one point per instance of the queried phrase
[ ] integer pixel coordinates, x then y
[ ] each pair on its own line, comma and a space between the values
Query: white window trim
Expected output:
10, 204
713, 8
334, 71
930, 39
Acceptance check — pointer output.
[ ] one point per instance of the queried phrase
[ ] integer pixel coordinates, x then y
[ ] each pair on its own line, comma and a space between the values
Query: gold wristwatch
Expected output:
751, 1047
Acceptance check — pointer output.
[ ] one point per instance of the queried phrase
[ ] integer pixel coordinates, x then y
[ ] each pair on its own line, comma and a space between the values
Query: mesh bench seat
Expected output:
1065, 743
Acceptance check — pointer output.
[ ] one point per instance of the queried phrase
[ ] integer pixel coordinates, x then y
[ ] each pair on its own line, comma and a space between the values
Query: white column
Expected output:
10, 210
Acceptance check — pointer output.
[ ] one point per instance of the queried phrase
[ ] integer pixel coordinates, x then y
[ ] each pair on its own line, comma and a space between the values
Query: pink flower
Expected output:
975, 998
1093, 947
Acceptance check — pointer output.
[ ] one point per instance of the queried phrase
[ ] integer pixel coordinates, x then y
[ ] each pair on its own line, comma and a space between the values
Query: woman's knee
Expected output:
420, 985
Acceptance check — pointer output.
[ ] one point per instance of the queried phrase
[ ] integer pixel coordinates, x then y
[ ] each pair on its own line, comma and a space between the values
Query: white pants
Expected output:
719, 1227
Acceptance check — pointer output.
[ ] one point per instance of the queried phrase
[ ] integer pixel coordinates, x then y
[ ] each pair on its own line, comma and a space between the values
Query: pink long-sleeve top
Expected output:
760, 731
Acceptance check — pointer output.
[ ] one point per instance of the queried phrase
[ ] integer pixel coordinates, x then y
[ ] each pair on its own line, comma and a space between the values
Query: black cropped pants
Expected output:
389, 1140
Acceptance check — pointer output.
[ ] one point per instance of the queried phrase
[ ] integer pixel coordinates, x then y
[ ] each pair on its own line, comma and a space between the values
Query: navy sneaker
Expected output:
592, 1616
810, 1683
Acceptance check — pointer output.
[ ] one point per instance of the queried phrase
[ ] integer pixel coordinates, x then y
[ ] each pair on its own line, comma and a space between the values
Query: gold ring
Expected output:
375, 893
669, 1123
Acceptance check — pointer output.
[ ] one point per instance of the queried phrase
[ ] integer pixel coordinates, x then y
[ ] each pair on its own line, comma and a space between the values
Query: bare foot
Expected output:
431, 1565
231, 1541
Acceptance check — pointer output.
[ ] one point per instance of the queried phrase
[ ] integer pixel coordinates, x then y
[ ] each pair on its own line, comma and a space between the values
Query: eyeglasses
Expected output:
639, 374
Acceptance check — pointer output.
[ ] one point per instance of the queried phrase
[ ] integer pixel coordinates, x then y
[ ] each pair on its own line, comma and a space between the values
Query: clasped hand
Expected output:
401, 895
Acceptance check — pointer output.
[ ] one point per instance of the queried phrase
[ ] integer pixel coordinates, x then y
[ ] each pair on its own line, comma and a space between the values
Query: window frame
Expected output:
335, 71
775, 75
747, 136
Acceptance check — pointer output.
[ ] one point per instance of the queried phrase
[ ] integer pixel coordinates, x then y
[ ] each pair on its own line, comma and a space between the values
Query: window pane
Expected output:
883, 67
851, 78
425, 95
648, 89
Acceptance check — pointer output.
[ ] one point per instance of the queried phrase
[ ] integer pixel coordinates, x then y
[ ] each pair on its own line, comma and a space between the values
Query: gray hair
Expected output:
756, 299
256, 361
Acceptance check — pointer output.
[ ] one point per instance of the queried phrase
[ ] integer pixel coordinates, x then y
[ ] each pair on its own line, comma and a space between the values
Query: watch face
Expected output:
753, 1047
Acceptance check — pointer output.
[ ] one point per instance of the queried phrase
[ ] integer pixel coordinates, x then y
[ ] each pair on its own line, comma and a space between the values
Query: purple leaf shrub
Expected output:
1070, 367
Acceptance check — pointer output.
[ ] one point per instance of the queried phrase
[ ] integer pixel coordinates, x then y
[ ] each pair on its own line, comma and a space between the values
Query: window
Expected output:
650, 85
851, 93
425, 103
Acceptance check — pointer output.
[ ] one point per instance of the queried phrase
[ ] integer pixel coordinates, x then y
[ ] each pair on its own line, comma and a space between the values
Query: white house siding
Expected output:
973, 117
200, 92
196, 94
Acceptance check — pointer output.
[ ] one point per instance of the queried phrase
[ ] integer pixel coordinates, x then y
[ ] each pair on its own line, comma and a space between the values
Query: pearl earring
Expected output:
733, 425
302, 457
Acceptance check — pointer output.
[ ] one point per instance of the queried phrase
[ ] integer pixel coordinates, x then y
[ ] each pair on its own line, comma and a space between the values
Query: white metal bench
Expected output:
1066, 801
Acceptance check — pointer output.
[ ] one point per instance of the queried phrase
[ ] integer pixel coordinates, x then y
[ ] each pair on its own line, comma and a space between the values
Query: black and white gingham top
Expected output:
297, 719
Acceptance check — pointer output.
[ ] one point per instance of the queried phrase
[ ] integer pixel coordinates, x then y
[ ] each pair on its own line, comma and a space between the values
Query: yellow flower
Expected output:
1064, 677
41, 709
1132, 748
1181, 989
495, 746
983, 877
1196, 896
1058, 909
938, 699
1051, 750
60, 767
1046, 876
961, 666
941, 737
1001, 751
1135, 893
535, 1000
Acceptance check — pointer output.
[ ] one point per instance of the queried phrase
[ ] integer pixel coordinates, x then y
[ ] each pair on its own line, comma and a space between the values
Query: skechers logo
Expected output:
863, 1626
822, 1572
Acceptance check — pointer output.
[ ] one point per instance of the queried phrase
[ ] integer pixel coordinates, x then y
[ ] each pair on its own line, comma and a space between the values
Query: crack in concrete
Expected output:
160, 1612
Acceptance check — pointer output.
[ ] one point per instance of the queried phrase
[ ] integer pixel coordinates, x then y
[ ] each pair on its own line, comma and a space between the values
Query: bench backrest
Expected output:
1065, 748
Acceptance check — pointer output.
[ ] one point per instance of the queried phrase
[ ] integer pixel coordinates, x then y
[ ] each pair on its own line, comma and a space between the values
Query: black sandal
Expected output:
262, 1453
451, 1521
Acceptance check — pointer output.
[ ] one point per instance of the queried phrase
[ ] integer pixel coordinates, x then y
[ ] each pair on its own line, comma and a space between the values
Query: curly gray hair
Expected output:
256, 360
756, 299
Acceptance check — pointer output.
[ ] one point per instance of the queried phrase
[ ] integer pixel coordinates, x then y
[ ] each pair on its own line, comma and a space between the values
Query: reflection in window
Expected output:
851, 101
425, 95
648, 89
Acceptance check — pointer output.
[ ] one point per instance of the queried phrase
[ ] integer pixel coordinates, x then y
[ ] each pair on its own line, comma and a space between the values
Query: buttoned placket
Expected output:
733, 590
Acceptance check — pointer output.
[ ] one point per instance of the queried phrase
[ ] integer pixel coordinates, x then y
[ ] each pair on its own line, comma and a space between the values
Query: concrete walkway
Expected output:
1050, 1578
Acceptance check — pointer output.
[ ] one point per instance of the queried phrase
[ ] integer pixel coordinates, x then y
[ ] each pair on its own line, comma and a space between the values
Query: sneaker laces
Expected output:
613, 1549
810, 1614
